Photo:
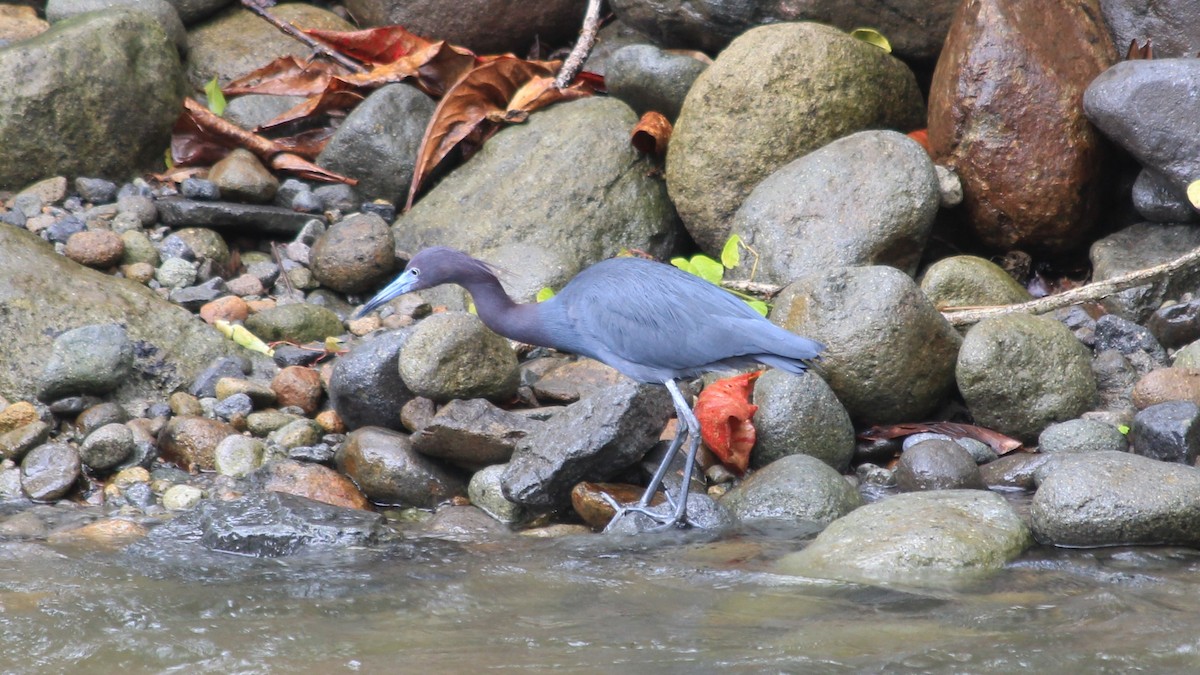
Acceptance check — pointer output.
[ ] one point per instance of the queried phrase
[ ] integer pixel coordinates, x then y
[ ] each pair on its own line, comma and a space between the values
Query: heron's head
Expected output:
431, 267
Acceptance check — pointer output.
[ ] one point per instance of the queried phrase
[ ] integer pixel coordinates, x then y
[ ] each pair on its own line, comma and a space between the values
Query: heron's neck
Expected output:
513, 320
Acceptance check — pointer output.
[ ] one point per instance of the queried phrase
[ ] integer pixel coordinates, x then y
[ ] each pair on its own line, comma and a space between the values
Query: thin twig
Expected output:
587, 39
755, 288
315, 45
1096, 290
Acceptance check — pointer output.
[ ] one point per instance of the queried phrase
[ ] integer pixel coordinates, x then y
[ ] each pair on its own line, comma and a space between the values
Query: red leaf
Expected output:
373, 45
999, 442
922, 136
725, 411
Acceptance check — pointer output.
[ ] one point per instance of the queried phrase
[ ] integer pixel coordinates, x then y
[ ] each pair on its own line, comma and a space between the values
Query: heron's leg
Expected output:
665, 464
692, 425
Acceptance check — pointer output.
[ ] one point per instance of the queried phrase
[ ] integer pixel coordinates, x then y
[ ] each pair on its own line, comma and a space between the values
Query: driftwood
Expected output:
966, 316
587, 39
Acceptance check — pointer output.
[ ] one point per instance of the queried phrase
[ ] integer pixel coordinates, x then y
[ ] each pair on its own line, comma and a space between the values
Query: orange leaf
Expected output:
725, 414
373, 45
922, 136
435, 67
652, 134
286, 76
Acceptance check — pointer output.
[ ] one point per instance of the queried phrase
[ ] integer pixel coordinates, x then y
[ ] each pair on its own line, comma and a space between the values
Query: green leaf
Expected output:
872, 36
1193, 193
168, 159
1124, 429
708, 269
216, 100
758, 306
684, 264
545, 294
730, 254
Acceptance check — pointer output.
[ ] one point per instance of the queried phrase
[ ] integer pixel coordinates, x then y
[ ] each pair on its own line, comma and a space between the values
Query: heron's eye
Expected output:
416, 271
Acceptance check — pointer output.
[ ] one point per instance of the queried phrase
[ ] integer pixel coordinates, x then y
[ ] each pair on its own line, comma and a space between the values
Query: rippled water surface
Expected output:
585, 604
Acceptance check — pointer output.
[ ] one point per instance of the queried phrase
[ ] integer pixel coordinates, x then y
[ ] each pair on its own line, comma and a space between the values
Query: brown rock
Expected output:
312, 481
100, 249
229, 308
191, 442
355, 254
17, 415
575, 380
109, 532
1005, 110
331, 422
298, 386
590, 502
1167, 384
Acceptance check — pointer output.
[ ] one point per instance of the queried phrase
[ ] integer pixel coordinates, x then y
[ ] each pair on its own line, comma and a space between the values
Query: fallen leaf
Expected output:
922, 136
873, 37
997, 441
651, 134
286, 76
725, 414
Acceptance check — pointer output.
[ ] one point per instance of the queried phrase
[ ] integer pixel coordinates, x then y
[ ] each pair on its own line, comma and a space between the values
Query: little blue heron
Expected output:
648, 320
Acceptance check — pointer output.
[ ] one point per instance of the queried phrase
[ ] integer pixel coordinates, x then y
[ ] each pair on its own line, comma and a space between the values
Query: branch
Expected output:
754, 288
1088, 293
318, 47
587, 38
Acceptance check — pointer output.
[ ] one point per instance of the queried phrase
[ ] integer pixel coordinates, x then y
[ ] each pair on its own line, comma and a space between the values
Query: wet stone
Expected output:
191, 442
100, 249
453, 355
298, 386
107, 447
205, 384
937, 465
193, 298
462, 523
259, 392
574, 380
299, 322
321, 453
96, 190
199, 188
98, 415
1168, 432
241, 177
234, 406
297, 433
794, 487
48, 471
389, 471
1127, 337
64, 228
175, 273
181, 497
1176, 325
786, 420
16, 443
268, 525
366, 388
313, 481
264, 422
91, 359
417, 413
354, 255
1082, 436
472, 433
486, 492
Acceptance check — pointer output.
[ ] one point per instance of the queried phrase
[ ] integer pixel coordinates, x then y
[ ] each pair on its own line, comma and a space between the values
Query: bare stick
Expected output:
752, 287
1096, 290
315, 45
587, 39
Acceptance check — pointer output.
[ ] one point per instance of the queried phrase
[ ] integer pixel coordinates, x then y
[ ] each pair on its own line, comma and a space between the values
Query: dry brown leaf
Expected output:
652, 134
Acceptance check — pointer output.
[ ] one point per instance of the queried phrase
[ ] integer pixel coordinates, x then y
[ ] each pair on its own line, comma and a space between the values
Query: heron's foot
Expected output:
665, 518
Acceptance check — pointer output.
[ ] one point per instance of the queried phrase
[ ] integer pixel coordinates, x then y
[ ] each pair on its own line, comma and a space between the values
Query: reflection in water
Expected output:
582, 604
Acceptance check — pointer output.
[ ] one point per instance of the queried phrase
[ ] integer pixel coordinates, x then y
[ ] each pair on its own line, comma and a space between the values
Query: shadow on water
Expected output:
678, 603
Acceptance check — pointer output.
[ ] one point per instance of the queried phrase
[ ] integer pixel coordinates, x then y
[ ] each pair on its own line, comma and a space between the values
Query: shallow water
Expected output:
583, 604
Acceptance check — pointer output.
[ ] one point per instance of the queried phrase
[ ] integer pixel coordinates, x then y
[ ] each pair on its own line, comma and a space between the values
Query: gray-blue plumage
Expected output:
648, 320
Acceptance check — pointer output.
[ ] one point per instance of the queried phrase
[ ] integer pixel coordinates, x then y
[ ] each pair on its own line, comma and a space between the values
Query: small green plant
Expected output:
545, 294
872, 37
216, 99
713, 271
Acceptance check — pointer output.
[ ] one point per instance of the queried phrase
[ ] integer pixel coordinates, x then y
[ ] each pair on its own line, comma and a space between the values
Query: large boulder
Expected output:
1005, 112
776, 93
113, 82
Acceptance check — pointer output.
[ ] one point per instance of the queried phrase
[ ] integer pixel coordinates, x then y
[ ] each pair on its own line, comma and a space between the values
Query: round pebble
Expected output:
181, 497
100, 249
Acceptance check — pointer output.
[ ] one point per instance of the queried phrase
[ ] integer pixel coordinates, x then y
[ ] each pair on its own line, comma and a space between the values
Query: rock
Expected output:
312, 481
17, 415
229, 308
916, 539
270, 220
267, 525
121, 75
298, 386
199, 244
1117, 499
937, 464
175, 273
238, 456
1188, 356
766, 101
915, 29
1168, 432
966, 280
100, 249
205, 384
1157, 199
1128, 338
1129, 103
648, 78
202, 188
107, 447
191, 442
462, 523
486, 492
259, 392
297, 433
1138, 247
1176, 325
389, 471
799, 414
1014, 472
182, 497
1082, 436
254, 110
1167, 384
574, 380
48, 471
241, 177
16, 442
365, 387
354, 255
87, 360
1019, 373
795, 487
1115, 379
298, 322
485, 26
98, 415
890, 355
95, 190
236, 42
592, 439
884, 220
193, 298
453, 355
1005, 114
1166, 23
473, 433
161, 10
377, 143
573, 185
